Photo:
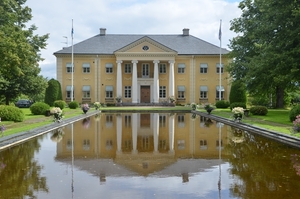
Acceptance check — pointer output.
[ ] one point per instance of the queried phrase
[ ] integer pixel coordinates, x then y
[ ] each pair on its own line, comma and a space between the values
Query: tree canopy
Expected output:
266, 51
19, 51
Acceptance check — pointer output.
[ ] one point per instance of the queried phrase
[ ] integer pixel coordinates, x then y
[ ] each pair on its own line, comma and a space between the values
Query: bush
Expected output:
294, 112
39, 108
73, 105
238, 104
11, 113
52, 92
222, 104
60, 103
259, 110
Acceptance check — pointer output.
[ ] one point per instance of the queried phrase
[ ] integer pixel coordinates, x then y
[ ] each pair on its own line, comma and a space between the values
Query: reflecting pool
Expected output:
150, 155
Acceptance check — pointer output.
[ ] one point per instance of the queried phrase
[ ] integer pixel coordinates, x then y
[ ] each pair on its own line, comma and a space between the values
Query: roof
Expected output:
109, 43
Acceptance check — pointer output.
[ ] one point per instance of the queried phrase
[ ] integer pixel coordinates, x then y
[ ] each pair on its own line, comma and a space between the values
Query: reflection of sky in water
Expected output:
203, 184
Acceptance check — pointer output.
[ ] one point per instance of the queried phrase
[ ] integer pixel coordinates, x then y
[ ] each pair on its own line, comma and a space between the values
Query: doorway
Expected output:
145, 94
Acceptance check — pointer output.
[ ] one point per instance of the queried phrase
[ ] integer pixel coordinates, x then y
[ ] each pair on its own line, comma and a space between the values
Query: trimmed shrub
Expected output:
52, 92
60, 103
39, 108
238, 104
73, 105
11, 113
294, 112
222, 104
259, 110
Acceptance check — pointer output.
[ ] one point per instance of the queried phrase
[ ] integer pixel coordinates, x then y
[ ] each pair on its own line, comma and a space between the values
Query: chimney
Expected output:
185, 32
102, 31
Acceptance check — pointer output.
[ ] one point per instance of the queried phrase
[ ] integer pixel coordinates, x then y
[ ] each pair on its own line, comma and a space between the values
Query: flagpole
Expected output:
72, 90
220, 65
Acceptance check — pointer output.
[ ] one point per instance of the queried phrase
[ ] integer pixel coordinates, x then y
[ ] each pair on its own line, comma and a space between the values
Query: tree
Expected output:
52, 92
19, 52
238, 92
265, 54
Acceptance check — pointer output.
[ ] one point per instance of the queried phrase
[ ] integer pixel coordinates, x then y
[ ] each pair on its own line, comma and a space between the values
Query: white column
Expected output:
171, 78
134, 133
119, 79
155, 131
119, 134
171, 133
156, 82
134, 82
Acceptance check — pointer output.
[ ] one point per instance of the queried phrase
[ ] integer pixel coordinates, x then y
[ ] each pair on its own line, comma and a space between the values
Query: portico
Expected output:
145, 83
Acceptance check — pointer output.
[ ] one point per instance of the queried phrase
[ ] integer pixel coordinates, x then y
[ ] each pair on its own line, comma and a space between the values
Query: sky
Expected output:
55, 17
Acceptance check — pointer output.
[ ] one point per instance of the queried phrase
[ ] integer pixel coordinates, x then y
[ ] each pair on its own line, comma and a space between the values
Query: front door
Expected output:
145, 94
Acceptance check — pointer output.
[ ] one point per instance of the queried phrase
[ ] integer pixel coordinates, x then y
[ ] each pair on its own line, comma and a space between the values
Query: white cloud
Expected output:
128, 17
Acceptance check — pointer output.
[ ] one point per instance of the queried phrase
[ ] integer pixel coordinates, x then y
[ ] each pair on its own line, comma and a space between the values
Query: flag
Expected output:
72, 31
220, 31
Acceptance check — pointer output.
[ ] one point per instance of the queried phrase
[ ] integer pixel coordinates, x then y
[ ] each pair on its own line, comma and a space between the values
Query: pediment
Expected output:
145, 45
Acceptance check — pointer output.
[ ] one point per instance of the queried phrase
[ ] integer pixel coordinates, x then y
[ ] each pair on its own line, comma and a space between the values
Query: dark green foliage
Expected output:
238, 92
59, 94
39, 108
238, 104
294, 112
73, 105
222, 104
259, 110
260, 100
60, 103
52, 92
11, 113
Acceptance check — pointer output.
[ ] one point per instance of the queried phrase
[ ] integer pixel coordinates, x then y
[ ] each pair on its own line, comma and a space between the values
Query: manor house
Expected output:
143, 69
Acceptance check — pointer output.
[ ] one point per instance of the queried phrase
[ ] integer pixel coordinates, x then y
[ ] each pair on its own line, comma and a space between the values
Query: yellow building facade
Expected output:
143, 69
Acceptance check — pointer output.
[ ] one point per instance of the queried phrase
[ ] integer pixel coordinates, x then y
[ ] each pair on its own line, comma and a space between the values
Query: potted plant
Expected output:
238, 113
172, 99
296, 123
85, 108
119, 99
97, 105
57, 114
208, 108
194, 106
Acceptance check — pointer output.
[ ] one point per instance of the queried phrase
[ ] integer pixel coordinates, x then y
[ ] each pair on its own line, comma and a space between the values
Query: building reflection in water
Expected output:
144, 144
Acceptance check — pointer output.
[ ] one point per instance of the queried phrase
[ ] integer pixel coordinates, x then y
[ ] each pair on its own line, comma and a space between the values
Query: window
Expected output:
109, 68
219, 143
218, 68
86, 68
127, 145
203, 144
127, 91
109, 121
203, 68
109, 92
128, 68
109, 144
69, 68
181, 68
86, 145
218, 92
86, 92
181, 144
162, 92
162, 121
180, 119
162, 145
145, 70
127, 120
69, 145
145, 142
203, 92
181, 92
68, 89
162, 68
